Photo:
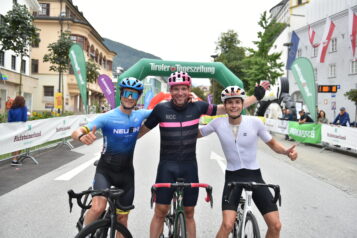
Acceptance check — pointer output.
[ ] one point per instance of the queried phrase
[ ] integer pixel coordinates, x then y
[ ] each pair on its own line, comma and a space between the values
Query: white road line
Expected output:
220, 160
70, 174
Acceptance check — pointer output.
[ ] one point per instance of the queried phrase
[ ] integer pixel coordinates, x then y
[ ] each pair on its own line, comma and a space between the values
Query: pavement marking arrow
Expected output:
220, 160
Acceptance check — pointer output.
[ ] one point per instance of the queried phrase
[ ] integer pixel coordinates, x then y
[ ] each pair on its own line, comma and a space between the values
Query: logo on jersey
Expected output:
126, 131
171, 116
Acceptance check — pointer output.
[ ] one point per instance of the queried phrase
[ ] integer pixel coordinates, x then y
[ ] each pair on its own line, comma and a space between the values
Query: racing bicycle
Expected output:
175, 220
246, 225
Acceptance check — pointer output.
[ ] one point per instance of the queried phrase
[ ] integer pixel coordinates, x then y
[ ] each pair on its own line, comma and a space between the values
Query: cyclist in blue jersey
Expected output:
178, 120
120, 128
238, 136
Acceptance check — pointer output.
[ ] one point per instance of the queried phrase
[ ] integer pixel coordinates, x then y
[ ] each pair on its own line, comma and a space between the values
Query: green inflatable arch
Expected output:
147, 67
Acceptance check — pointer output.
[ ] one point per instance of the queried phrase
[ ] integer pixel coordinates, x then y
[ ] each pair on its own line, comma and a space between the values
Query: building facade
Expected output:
10, 64
55, 17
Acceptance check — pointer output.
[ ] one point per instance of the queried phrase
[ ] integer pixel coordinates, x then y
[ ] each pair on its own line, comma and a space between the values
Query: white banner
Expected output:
21, 135
339, 135
278, 126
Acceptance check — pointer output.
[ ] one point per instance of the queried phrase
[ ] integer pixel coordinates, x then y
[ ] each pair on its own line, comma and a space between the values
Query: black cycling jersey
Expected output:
179, 128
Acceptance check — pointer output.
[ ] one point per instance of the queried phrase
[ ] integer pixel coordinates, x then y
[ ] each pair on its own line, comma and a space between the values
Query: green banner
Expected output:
306, 133
79, 67
305, 78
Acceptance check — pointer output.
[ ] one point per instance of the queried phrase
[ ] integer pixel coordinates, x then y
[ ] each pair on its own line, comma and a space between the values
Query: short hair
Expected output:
342, 109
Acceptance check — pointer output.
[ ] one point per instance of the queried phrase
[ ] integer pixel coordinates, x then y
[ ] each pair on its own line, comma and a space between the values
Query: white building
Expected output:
10, 63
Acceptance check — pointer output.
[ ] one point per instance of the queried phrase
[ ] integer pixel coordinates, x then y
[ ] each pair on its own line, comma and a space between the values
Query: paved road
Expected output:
318, 190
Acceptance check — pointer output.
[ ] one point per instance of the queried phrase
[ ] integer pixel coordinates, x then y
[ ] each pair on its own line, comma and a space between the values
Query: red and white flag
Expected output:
312, 34
326, 38
352, 30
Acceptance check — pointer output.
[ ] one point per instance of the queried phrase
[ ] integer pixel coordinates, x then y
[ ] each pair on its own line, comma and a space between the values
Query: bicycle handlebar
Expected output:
208, 188
111, 193
249, 186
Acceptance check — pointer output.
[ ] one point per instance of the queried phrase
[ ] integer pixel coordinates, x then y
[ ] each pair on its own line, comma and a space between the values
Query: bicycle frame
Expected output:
246, 203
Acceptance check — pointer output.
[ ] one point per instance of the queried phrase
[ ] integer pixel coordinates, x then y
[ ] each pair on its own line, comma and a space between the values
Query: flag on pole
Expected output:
312, 34
326, 38
352, 30
292, 49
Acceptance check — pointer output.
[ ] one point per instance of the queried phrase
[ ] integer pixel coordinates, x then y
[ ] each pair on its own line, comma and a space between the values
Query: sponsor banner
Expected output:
278, 126
80, 71
21, 135
204, 120
339, 135
306, 133
305, 78
106, 84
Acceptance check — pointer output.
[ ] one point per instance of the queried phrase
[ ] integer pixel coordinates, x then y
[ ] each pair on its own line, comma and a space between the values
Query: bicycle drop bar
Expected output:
251, 185
208, 188
112, 193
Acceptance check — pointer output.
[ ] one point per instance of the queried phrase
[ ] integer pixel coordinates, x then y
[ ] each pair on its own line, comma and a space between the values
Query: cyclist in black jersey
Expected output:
178, 120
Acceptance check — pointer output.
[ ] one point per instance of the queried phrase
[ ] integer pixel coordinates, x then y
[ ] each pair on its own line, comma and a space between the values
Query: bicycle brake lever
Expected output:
70, 193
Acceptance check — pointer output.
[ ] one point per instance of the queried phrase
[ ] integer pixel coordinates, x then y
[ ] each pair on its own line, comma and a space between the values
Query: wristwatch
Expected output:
80, 136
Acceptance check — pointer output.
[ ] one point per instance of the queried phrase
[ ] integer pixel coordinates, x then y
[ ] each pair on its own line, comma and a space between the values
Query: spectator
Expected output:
8, 103
321, 117
287, 116
18, 112
304, 118
342, 119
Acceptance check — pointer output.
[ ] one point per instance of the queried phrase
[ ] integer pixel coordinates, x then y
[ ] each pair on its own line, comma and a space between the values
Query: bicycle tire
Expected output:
180, 228
83, 211
99, 229
251, 228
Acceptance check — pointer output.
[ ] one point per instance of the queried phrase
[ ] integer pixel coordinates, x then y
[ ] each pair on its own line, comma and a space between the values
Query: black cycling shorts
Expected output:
168, 172
107, 175
262, 196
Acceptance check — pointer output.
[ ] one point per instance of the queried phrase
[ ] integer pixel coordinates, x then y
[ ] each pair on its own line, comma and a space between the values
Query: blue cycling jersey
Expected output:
119, 130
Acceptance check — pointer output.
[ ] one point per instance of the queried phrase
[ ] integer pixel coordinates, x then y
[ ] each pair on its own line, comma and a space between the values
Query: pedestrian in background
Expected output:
8, 103
321, 117
17, 113
304, 118
343, 118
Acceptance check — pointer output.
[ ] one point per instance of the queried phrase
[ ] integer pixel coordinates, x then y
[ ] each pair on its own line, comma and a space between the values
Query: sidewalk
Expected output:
334, 167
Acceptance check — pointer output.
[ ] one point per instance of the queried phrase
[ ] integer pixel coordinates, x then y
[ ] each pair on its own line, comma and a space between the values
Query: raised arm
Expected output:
143, 131
85, 136
280, 149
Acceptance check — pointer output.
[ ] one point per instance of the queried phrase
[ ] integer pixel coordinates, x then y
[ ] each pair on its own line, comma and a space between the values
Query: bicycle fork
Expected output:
243, 213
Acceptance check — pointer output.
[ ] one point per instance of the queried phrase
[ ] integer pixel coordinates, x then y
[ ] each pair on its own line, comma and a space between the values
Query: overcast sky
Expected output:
185, 30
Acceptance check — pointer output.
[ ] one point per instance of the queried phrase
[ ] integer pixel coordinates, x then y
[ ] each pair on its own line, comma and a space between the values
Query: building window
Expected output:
315, 73
48, 91
353, 69
332, 70
34, 66
36, 44
333, 44
45, 9
13, 62
79, 40
315, 51
23, 66
299, 53
2, 58
109, 65
2, 20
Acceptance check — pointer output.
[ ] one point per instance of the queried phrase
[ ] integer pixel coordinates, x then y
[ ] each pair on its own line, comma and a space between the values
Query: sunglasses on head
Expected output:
133, 95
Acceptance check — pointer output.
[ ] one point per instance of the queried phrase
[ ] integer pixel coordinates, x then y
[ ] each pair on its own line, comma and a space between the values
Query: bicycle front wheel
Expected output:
180, 228
100, 229
251, 228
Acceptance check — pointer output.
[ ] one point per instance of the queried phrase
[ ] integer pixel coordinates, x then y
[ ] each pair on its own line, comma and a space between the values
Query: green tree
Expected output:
17, 33
199, 93
352, 95
260, 65
92, 71
232, 56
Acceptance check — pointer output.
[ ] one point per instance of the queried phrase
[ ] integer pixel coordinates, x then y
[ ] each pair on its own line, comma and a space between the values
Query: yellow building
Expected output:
58, 16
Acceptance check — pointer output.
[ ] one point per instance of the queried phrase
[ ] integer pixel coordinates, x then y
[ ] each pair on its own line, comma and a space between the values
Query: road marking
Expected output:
220, 160
70, 174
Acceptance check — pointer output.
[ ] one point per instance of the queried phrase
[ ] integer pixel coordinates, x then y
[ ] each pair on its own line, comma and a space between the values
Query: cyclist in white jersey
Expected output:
238, 136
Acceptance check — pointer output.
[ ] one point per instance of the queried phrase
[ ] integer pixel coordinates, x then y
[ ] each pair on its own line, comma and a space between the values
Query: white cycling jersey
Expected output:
240, 151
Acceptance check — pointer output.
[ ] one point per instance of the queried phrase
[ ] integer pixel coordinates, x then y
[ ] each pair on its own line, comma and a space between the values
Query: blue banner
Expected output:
292, 49
148, 96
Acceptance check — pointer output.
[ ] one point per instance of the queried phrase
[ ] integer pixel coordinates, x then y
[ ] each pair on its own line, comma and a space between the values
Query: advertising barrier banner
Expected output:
339, 135
21, 135
306, 133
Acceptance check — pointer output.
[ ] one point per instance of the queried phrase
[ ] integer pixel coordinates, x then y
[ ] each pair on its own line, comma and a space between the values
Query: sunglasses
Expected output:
127, 94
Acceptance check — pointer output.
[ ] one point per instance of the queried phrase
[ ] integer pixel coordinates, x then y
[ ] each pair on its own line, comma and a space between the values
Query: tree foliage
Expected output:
352, 95
199, 93
58, 55
92, 71
17, 32
260, 65
231, 55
